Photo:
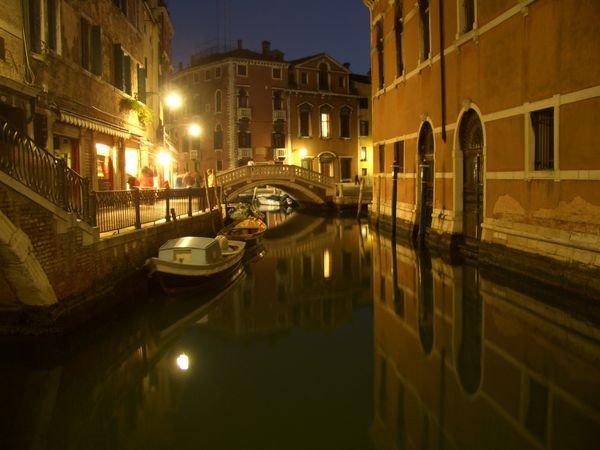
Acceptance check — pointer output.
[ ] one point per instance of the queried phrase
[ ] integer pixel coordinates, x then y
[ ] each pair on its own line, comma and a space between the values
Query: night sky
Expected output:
297, 28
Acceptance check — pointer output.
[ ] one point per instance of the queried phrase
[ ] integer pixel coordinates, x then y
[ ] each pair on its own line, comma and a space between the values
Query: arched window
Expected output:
323, 77
345, 122
325, 121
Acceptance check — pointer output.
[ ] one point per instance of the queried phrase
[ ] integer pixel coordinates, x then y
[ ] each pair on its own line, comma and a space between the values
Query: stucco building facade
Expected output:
255, 106
496, 136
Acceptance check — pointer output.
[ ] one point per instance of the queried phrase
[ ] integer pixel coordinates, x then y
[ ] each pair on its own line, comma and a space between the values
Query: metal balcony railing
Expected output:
45, 174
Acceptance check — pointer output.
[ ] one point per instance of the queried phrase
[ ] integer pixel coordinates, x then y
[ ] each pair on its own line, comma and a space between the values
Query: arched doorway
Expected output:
471, 144
426, 171
326, 161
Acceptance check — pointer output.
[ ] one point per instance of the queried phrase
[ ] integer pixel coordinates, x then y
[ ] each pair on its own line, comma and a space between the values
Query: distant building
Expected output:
256, 106
82, 80
496, 137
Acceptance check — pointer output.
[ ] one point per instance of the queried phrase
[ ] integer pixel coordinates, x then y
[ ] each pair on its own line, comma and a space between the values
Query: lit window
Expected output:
363, 153
325, 123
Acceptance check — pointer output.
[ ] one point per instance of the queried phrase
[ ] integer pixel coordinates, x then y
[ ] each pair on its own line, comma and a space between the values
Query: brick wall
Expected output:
77, 270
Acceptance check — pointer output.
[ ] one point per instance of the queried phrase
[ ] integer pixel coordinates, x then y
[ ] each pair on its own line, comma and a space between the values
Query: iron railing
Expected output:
118, 210
45, 174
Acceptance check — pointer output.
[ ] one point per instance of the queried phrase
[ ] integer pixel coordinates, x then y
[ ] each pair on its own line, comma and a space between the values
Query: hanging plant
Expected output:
144, 113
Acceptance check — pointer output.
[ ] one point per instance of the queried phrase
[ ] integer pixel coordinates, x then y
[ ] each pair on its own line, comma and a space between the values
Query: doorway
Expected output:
471, 144
426, 177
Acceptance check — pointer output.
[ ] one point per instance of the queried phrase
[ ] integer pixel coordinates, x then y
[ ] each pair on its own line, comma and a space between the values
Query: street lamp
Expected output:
194, 130
173, 100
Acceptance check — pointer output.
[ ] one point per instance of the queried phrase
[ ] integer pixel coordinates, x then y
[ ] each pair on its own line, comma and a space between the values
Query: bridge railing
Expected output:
273, 171
47, 175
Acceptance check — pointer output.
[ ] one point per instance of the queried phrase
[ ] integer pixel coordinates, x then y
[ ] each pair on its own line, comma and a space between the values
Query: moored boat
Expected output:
249, 230
194, 261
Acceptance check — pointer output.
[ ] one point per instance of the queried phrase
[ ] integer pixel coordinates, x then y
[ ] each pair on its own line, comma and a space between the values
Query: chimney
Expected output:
266, 47
240, 46
347, 65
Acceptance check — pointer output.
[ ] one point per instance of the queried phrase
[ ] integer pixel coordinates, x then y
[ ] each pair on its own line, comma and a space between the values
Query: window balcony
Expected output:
279, 114
244, 153
244, 113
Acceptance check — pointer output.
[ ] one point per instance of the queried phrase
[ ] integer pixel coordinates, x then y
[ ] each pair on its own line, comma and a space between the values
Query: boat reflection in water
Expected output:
463, 362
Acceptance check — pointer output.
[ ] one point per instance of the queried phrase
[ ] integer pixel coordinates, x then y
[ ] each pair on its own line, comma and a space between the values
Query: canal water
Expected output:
332, 338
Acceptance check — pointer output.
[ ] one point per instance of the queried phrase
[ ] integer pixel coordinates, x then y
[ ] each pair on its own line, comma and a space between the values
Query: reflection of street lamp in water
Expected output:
183, 362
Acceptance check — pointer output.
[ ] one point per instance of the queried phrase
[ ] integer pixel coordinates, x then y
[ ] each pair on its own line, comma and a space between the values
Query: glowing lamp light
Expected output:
302, 152
327, 264
194, 130
163, 158
173, 100
183, 362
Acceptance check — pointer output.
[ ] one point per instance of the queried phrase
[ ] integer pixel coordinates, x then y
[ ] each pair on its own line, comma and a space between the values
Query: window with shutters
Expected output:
141, 76
122, 69
91, 51
42, 25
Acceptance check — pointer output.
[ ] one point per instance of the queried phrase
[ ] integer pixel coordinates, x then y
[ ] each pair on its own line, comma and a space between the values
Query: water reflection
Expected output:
465, 362
281, 359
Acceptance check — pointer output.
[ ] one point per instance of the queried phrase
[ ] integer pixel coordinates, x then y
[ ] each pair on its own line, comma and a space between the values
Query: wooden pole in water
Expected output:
360, 195
206, 188
218, 197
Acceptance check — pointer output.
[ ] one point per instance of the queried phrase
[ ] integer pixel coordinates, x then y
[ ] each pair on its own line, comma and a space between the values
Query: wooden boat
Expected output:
269, 200
193, 262
249, 230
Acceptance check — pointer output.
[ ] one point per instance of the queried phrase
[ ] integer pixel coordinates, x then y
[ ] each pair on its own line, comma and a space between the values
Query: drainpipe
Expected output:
442, 71
394, 197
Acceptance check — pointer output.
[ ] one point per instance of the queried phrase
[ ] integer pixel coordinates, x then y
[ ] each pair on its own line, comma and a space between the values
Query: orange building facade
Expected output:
495, 137
256, 107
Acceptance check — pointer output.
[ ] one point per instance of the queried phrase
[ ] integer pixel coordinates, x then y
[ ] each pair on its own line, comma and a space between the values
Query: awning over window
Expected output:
93, 124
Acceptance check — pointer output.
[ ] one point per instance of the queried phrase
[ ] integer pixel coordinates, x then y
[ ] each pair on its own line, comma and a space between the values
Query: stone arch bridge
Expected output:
305, 186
